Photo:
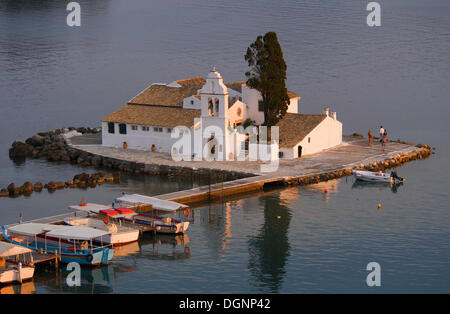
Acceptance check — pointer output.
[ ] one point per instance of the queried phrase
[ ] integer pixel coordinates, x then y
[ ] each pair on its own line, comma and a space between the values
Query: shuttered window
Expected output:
122, 128
111, 127
260, 105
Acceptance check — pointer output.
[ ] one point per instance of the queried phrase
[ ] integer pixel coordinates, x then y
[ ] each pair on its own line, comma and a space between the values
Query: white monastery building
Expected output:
208, 110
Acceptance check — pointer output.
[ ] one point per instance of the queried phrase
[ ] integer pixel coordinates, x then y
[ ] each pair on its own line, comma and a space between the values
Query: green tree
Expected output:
268, 75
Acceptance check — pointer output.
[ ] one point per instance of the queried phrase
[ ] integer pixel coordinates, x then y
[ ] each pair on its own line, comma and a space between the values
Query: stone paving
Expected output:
353, 151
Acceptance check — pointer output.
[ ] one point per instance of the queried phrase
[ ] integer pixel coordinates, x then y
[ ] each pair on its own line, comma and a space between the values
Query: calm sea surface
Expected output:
296, 240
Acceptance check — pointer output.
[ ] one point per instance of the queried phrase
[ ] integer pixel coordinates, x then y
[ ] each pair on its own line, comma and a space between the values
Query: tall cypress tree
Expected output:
268, 75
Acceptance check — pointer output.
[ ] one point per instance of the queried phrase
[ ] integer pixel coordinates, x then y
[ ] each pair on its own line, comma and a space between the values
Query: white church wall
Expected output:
293, 105
326, 135
236, 112
251, 97
139, 139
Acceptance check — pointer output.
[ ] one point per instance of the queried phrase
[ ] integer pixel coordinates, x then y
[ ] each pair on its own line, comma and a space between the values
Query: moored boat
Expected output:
370, 176
145, 221
132, 200
118, 234
72, 243
12, 268
124, 216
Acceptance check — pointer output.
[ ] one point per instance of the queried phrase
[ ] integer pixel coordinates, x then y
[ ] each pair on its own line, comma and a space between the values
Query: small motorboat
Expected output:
383, 177
119, 234
12, 267
72, 243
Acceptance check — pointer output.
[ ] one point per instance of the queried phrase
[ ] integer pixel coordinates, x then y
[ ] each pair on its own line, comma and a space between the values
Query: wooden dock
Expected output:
39, 258
57, 219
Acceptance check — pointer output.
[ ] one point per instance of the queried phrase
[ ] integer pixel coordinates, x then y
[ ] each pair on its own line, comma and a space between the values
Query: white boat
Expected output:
13, 269
118, 234
131, 200
370, 176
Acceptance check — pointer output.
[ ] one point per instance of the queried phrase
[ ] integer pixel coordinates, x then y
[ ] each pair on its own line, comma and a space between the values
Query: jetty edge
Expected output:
257, 183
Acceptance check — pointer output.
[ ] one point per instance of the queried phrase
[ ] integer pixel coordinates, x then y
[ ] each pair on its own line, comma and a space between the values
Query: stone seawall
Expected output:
220, 192
398, 160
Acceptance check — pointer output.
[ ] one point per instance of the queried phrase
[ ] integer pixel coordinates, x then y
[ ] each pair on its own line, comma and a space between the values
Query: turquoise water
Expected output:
295, 240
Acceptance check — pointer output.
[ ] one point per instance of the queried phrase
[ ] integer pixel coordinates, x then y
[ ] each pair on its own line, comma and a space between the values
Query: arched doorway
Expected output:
299, 151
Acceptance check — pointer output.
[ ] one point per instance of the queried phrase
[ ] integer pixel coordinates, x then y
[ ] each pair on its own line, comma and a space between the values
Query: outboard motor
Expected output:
395, 176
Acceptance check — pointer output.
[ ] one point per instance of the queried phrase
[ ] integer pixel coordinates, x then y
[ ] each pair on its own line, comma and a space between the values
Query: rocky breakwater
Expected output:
52, 145
422, 151
82, 181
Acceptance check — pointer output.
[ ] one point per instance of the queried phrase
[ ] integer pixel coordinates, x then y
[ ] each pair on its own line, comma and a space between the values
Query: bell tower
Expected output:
214, 115
214, 96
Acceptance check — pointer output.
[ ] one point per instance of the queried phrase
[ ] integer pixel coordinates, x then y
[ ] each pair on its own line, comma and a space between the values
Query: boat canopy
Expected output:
90, 207
9, 249
156, 203
77, 233
32, 229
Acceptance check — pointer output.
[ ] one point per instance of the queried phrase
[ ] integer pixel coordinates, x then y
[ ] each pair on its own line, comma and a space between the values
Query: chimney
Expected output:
325, 111
334, 115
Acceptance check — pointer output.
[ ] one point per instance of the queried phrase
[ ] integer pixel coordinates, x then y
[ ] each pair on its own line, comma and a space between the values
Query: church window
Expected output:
260, 105
210, 107
122, 128
111, 127
217, 106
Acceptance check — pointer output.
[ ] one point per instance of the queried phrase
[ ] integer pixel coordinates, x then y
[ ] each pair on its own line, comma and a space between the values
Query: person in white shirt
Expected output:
381, 131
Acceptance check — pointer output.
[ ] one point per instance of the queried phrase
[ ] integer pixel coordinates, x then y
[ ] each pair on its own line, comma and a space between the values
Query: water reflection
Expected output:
380, 186
325, 188
24, 288
127, 249
164, 246
270, 248
93, 280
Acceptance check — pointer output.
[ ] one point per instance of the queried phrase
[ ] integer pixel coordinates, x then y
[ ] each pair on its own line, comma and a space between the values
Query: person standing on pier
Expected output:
381, 131
370, 136
383, 140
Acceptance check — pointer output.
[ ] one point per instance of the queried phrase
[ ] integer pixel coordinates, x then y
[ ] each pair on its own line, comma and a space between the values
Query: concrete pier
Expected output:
337, 162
